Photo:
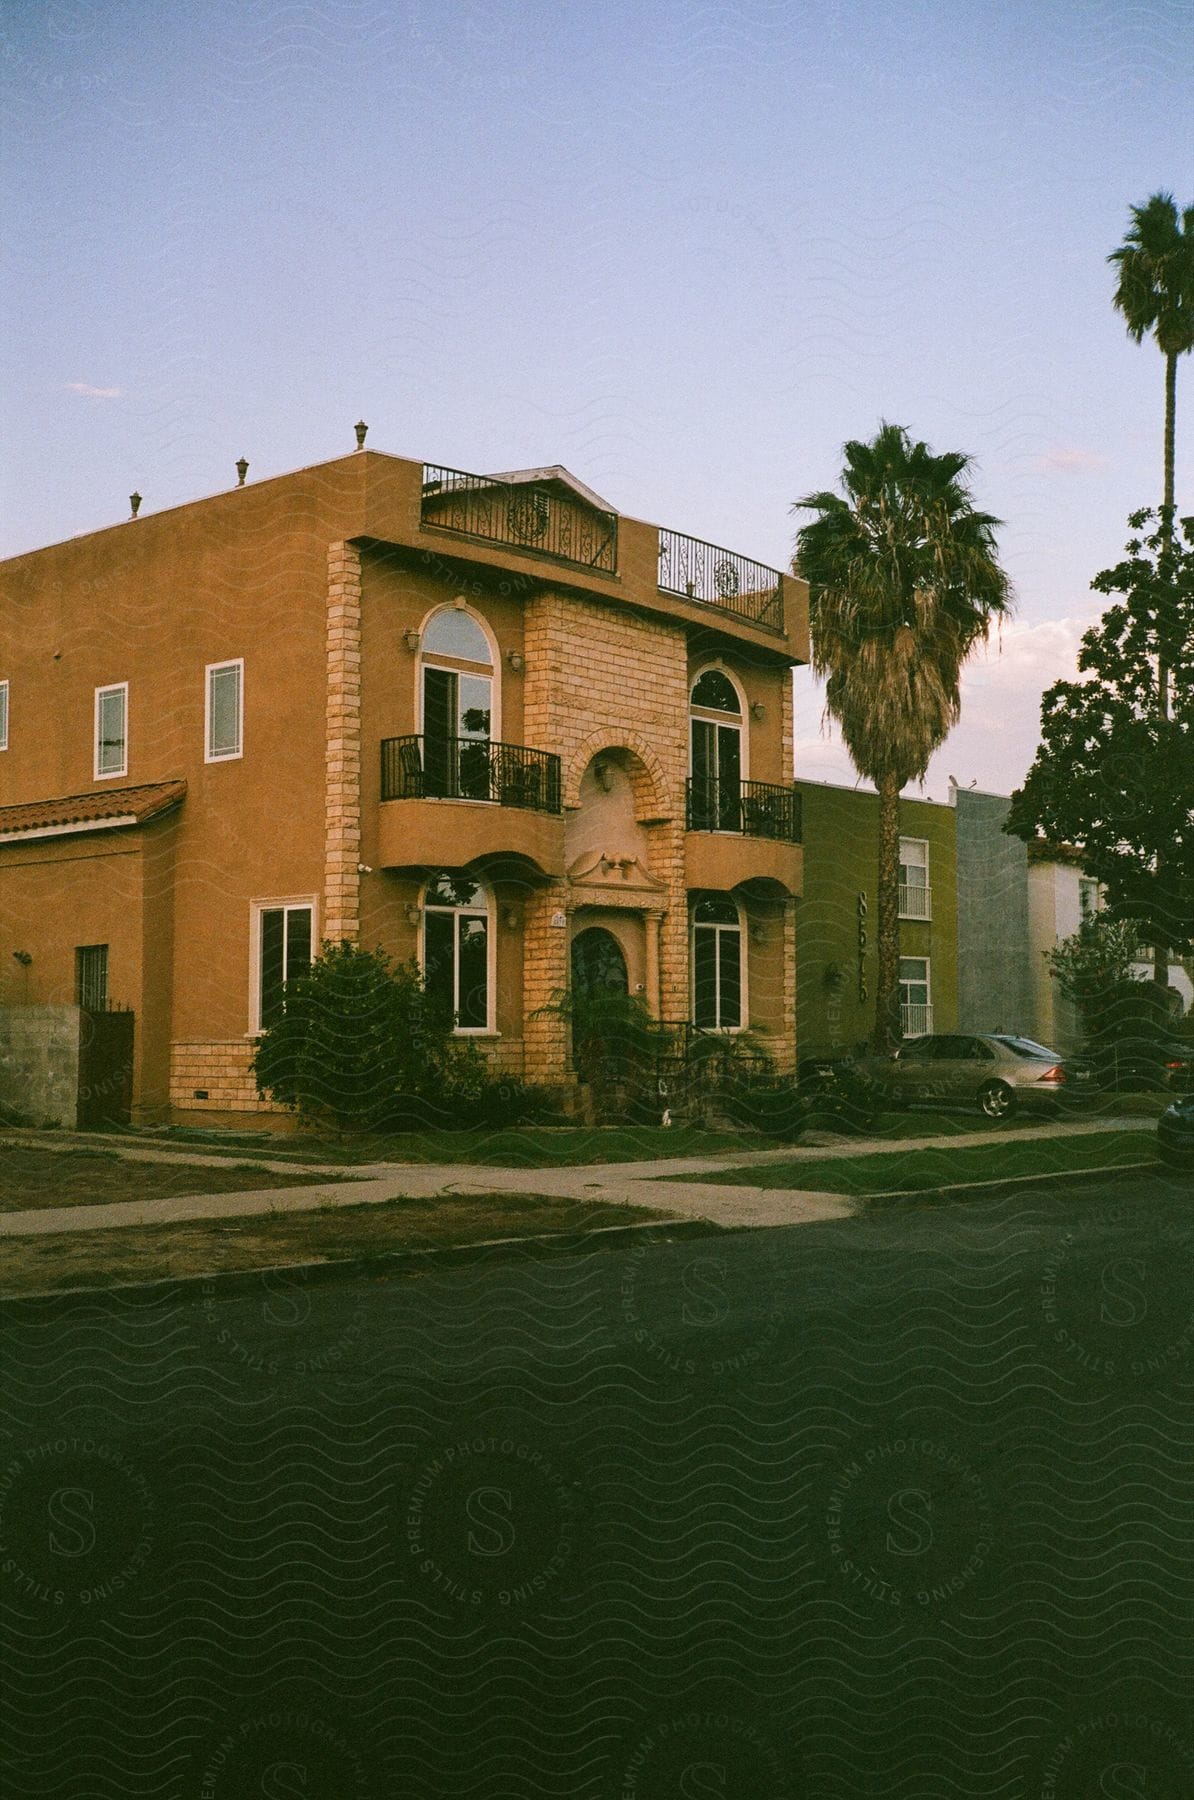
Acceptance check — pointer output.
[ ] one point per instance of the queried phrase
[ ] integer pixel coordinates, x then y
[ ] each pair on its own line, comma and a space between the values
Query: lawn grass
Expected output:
329, 1234
911, 1171
32, 1178
523, 1147
533, 1147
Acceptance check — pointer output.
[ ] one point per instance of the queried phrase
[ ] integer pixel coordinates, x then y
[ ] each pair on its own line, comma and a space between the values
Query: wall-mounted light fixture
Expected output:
511, 918
604, 776
413, 915
758, 710
515, 660
758, 935
411, 640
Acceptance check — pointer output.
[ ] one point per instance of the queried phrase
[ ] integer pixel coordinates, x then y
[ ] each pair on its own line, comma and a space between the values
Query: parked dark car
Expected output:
993, 1070
1175, 1134
1146, 1062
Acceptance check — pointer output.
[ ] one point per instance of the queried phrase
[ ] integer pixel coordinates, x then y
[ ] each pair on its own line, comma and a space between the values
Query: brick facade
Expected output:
221, 1073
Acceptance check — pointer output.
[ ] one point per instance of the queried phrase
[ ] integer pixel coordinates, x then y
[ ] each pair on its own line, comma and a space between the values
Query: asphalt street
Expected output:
888, 1505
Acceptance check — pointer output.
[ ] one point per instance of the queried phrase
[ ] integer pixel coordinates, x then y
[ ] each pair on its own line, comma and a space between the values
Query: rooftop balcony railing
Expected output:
716, 577
430, 768
532, 517
764, 809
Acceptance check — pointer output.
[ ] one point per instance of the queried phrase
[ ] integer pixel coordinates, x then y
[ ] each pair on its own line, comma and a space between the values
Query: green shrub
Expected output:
359, 1046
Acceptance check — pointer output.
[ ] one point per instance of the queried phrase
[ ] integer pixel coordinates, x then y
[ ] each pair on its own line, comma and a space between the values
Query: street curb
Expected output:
1005, 1181
233, 1281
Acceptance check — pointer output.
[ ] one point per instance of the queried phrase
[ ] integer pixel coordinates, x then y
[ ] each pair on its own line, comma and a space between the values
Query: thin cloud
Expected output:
1071, 459
93, 393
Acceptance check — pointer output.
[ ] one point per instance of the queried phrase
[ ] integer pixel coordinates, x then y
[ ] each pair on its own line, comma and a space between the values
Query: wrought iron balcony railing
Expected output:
421, 768
915, 902
764, 809
533, 517
916, 1020
716, 577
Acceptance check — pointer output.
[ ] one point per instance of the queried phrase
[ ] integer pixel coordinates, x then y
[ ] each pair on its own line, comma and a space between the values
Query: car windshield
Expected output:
1024, 1047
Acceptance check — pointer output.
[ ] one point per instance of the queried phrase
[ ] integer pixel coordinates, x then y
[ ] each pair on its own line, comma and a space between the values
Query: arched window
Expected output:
456, 939
716, 964
456, 705
715, 793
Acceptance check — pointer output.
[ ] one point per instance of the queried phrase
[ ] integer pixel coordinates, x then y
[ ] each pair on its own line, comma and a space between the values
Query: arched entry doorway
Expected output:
598, 965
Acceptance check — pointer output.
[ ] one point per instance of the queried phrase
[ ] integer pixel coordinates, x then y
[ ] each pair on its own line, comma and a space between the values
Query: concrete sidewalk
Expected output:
656, 1183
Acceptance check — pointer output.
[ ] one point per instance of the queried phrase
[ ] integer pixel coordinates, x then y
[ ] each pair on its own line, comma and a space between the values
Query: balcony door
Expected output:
716, 753
456, 706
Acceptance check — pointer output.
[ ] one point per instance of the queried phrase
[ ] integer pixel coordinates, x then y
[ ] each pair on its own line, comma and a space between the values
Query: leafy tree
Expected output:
903, 583
1114, 775
1098, 955
359, 1043
1155, 293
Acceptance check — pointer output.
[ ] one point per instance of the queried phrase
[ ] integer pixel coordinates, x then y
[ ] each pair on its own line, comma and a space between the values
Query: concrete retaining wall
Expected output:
39, 1062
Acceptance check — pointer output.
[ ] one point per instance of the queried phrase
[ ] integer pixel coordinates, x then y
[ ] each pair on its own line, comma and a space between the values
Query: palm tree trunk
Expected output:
1170, 414
887, 1031
1161, 951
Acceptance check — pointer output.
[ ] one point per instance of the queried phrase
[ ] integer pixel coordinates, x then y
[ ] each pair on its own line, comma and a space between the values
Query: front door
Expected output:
456, 714
598, 966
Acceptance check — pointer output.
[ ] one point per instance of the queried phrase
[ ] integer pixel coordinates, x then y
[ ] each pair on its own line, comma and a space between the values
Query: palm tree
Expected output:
903, 583
1156, 294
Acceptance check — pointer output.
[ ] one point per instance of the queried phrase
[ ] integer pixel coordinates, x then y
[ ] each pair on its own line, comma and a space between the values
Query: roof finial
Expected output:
135, 503
360, 428
242, 469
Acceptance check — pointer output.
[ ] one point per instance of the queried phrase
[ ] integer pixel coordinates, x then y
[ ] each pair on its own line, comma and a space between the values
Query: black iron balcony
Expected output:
536, 518
431, 768
716, 577
763, 809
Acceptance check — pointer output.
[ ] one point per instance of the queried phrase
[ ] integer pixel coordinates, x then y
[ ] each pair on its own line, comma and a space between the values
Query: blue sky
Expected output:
685, 249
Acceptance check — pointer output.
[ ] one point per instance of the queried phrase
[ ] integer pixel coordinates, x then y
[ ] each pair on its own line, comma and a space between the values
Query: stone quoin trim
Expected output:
342, 881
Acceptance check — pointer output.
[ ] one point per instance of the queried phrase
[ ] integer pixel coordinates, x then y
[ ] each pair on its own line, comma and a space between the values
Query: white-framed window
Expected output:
112, 730
916, 997
458, 946
3, 715
717, 744
457, 694
1088, 897
718, 978
916, 896
223, 710
283, 944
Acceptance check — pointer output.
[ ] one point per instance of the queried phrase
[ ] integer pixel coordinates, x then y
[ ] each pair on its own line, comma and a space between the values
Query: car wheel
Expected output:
996, 1099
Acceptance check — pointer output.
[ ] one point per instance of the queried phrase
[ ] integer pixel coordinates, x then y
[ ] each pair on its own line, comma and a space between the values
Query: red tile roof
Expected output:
85, 812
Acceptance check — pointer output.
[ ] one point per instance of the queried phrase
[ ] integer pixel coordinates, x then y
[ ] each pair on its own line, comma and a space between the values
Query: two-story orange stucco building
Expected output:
484, 721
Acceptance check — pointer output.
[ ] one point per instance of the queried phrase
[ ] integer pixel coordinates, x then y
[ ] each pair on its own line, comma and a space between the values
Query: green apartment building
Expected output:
837, 958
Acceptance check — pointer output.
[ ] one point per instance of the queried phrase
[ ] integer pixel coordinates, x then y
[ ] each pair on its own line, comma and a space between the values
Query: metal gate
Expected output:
105, 1069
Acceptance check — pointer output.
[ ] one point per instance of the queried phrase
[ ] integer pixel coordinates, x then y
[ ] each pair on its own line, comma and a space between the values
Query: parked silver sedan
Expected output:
993, 1070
